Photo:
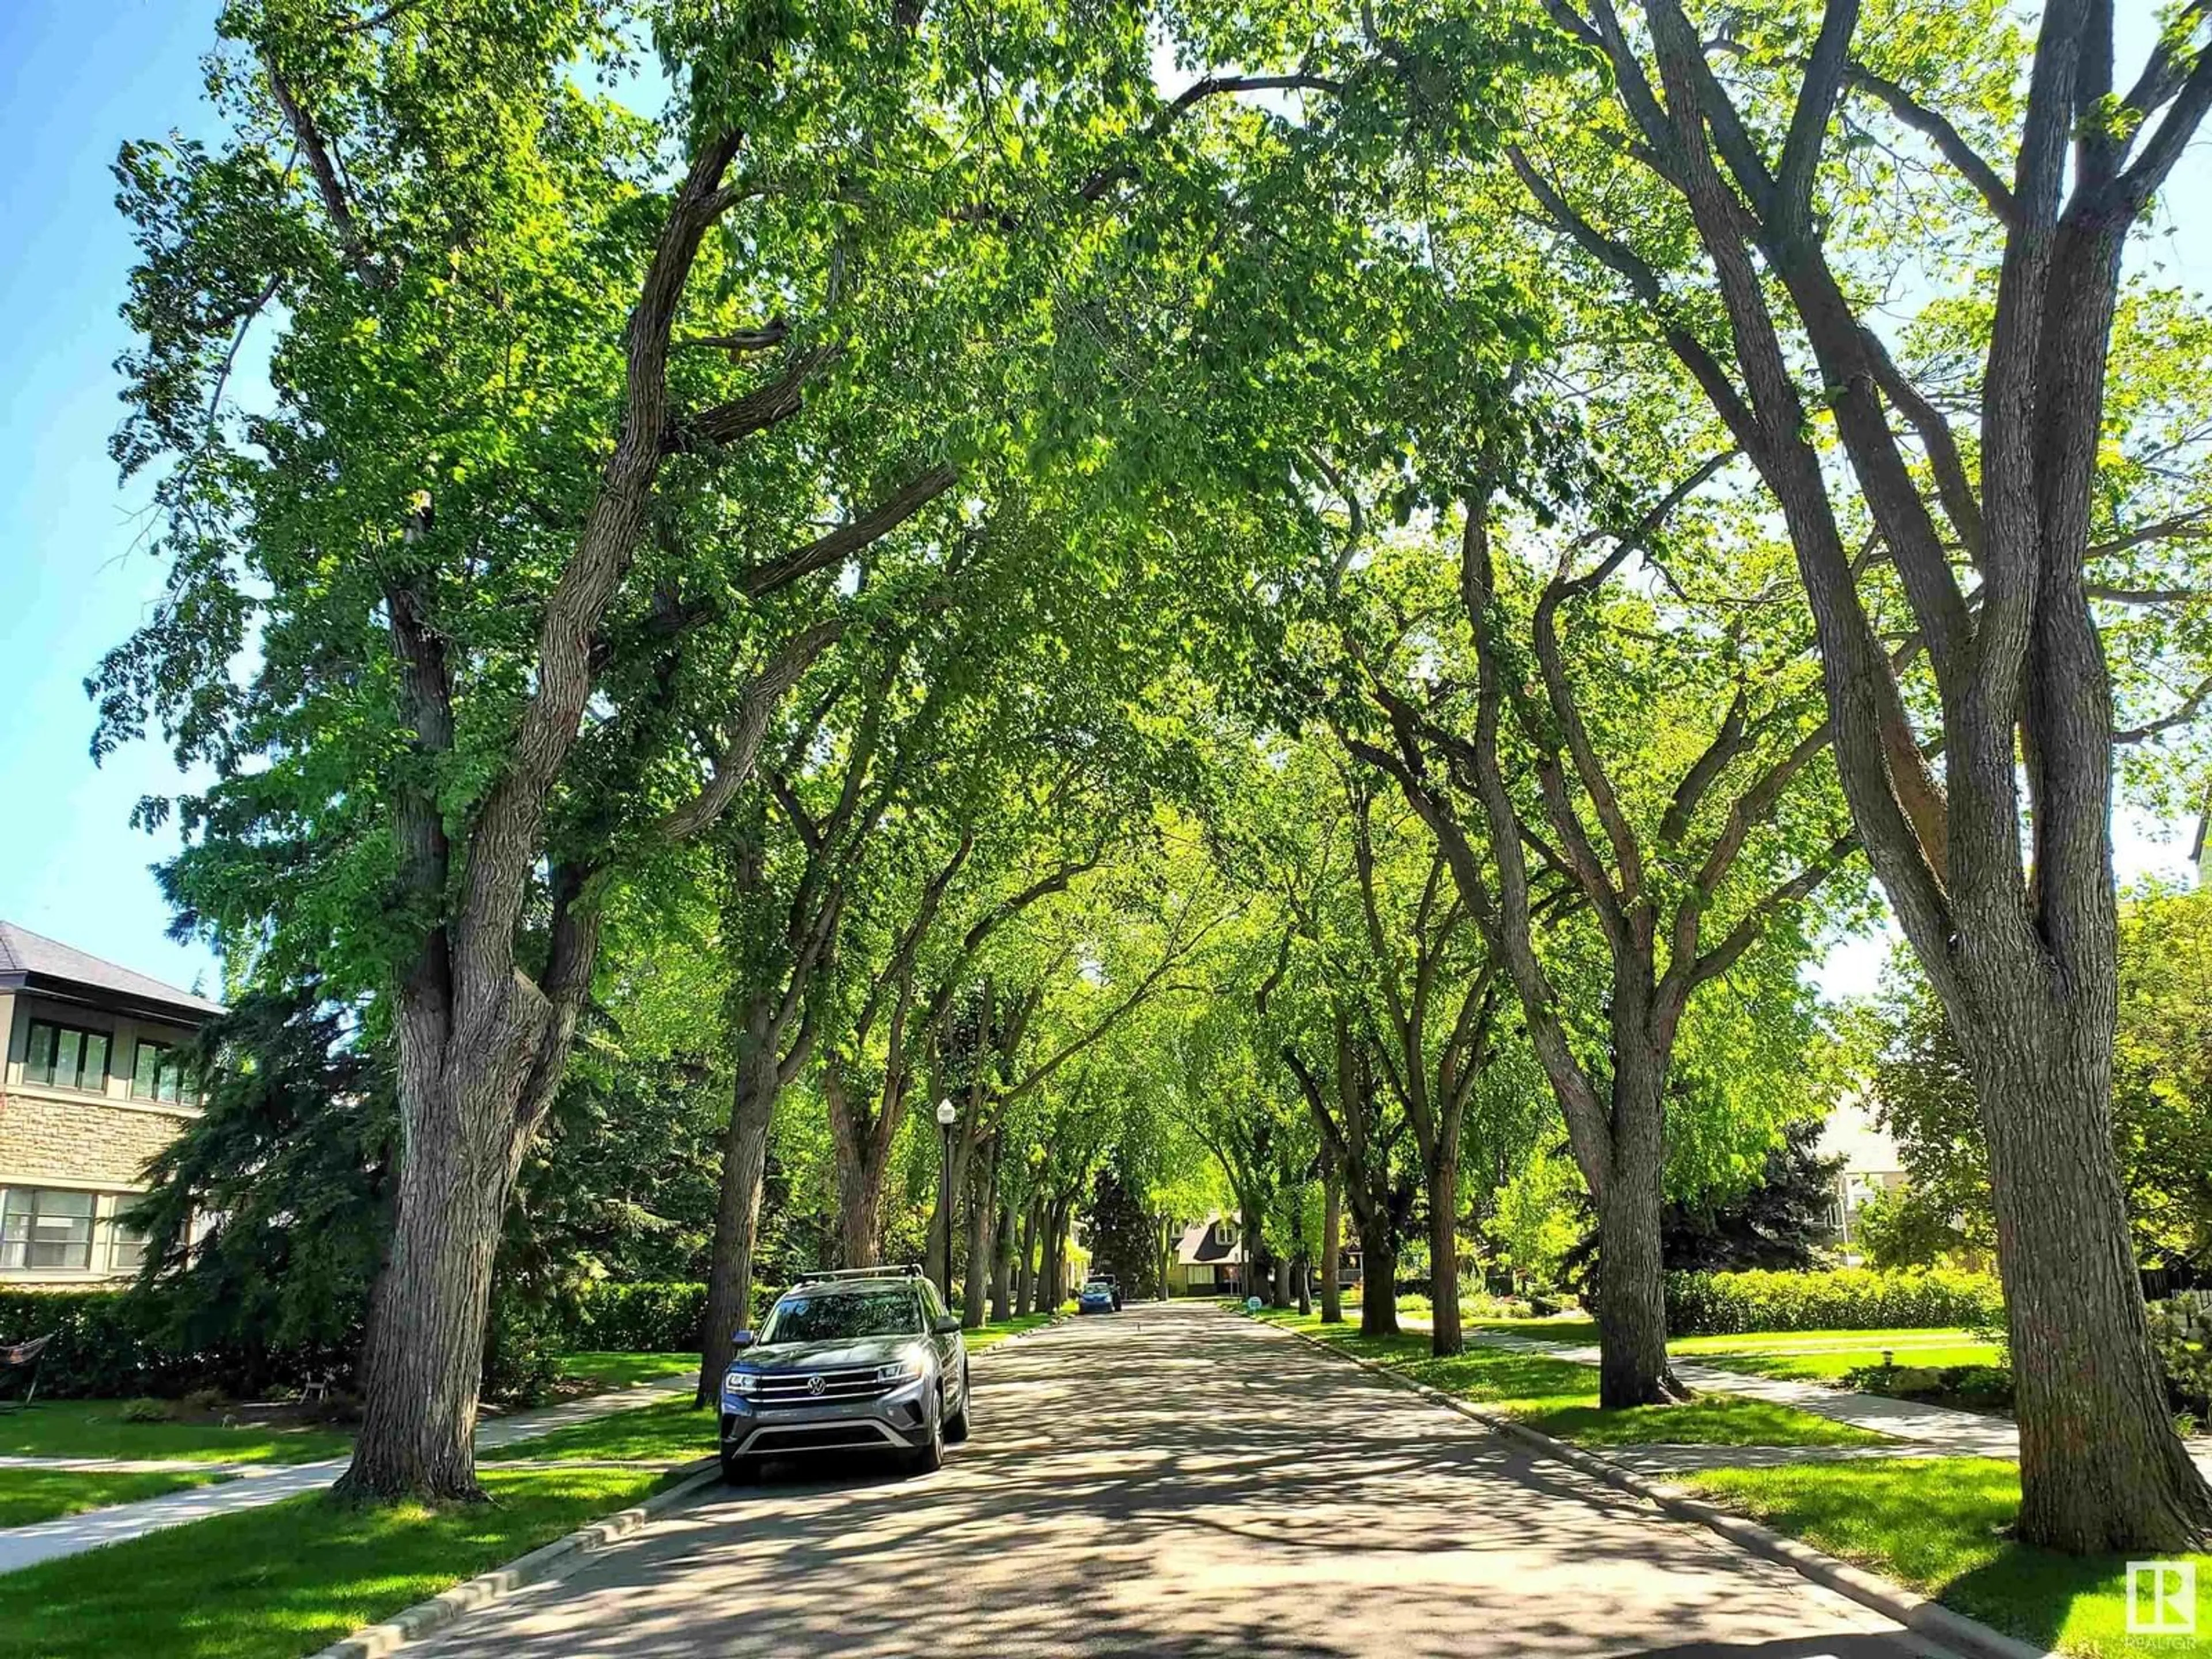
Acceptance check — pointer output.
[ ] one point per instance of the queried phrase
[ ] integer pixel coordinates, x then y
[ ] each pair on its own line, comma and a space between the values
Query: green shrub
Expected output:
1850, 1298
149, 1411
114, 1345
653, 1318
1971, 1387
2181, 1334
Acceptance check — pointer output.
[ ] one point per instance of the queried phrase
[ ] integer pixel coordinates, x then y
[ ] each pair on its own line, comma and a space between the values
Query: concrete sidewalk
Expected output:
259, 1484
1922, 1430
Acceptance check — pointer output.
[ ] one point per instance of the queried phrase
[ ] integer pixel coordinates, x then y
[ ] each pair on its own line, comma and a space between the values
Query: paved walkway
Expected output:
257, 1484
1169, 1481
1922, 1430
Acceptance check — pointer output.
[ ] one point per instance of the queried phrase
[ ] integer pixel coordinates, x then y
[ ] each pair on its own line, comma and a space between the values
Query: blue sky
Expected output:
76, 79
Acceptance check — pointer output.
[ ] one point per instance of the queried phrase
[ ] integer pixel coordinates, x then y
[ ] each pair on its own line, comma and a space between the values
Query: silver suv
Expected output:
863, 1358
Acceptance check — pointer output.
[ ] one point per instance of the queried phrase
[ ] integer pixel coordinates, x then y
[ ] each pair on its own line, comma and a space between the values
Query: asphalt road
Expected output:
1172, 1480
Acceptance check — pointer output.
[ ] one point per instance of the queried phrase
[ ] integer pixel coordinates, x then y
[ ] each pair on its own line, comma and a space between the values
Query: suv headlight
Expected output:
903, 1369
747, 1383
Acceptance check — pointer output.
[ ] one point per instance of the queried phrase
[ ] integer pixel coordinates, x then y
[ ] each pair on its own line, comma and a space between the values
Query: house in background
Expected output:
92, 1086
1871, 1164
1209, 1260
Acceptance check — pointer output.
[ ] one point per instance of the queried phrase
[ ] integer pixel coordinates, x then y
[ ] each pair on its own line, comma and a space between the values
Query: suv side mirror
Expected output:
741, 1339
946, 1324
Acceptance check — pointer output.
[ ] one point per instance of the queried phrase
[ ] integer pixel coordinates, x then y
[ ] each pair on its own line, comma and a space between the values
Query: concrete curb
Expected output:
1910, 1609
553, 1560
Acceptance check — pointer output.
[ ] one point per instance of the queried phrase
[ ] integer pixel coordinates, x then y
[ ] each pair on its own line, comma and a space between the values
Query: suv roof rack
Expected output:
903, 1270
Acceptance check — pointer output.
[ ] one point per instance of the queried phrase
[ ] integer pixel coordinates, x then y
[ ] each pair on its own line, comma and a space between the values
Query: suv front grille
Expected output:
796, 1387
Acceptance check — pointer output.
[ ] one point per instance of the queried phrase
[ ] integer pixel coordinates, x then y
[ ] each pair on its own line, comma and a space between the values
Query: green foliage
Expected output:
2161, 1094
2181, 1334
110, 1344
1123, 1237
266, 1216
1847, 1298
1777, 1223
1902, 1227
644, 1318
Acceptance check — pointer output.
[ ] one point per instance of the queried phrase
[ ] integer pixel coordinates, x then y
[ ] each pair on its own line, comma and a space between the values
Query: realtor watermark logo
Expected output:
2162, 1598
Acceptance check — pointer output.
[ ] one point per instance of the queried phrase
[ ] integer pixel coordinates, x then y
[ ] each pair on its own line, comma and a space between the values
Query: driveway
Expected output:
1173, 1480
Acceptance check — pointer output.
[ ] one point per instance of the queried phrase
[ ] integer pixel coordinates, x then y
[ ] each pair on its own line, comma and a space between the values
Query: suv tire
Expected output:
929, 1457
739, 1471
956, 1423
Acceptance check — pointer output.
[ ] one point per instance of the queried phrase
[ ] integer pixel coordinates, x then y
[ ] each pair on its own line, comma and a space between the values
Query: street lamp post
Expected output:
946, 1114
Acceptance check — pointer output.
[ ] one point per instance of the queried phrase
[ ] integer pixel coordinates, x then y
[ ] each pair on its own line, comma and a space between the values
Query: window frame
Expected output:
172, 1064
33, 1024
9, 1246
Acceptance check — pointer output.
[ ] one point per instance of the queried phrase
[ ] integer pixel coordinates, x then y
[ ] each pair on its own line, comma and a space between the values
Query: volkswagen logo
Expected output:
814, 1385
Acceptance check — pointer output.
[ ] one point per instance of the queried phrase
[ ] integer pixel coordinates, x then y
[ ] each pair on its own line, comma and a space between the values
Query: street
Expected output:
1174, 1480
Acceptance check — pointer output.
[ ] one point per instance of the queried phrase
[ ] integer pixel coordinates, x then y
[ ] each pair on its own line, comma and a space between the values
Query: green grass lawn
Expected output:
1560, 1398
95, 1428
670, 1430
1828, 1366
1000, 1330
623, 1370
1938, 1524
279, 1582
29, 1495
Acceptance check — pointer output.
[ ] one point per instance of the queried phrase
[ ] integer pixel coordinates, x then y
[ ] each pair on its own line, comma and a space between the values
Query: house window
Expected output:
65, 1057
159, 1074
1201, 1274
1224, 1233
43, 1230
126, 1249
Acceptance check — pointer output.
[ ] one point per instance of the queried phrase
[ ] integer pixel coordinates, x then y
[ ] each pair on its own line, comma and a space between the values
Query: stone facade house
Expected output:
92, 1086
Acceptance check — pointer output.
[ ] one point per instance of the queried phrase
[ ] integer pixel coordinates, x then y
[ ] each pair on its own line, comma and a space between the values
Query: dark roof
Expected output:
32, 962
1198, 1244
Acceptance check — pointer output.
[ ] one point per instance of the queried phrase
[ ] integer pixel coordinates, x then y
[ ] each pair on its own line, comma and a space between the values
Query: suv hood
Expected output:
826, 1354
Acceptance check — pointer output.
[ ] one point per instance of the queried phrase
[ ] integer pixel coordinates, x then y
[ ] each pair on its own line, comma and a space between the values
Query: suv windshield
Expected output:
843, 1313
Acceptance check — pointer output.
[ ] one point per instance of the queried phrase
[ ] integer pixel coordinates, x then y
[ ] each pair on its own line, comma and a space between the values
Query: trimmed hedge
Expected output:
1847, 1299
109, 1345
632, 1318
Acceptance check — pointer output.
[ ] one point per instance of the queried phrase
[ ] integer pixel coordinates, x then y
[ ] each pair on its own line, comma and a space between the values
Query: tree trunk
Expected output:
424, 1371
859, 1227
1282, 1288
1332, 1236
1632, 1300
1025, 1278
1378, 1279
2101, 1468
1302, 1272
1445, 1333
983, 1210
1002, 1262
1055, 1265
737, 1213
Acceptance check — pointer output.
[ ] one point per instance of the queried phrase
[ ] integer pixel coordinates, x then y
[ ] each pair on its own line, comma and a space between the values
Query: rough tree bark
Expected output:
1332, 1237
983, 1210
1354, 1141
737, 1210
1614, 1113
2018, 940
1026, 1268
1002, 1261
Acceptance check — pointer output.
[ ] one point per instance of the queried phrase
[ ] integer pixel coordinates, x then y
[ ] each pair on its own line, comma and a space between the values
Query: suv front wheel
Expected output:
955, 1424
929, 1457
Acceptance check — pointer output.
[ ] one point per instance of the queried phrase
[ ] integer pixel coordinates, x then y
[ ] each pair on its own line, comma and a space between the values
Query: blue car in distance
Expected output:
1096, 1296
